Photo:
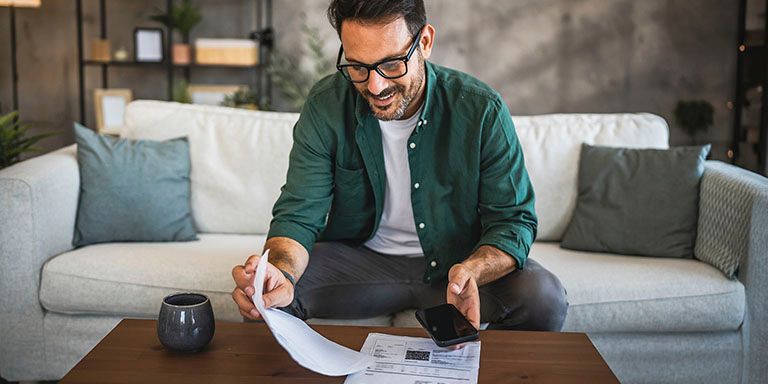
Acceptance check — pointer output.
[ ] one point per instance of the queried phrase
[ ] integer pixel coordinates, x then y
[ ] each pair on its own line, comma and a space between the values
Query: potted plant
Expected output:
694, 116
14, 141
244, 98
180, 92
183, 18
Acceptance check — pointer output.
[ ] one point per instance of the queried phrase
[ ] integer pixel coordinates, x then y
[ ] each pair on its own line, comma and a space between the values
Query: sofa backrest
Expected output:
552, 148
240, 158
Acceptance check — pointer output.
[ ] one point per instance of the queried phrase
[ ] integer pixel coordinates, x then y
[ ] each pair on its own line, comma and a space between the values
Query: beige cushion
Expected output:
612, 293
131, 279
607, 293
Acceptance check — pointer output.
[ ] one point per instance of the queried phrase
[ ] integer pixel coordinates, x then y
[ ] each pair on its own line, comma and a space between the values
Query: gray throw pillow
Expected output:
637, 201
132, 190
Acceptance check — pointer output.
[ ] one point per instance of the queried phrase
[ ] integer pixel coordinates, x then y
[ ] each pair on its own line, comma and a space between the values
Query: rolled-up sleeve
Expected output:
506, 197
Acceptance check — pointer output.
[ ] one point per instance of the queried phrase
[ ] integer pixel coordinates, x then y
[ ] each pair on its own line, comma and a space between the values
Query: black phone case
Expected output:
444, 343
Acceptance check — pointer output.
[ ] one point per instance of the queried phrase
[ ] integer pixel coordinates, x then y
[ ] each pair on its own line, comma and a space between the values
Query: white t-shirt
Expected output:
396, 234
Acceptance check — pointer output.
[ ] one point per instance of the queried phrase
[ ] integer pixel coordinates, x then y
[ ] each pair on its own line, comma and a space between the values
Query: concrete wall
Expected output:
544, 56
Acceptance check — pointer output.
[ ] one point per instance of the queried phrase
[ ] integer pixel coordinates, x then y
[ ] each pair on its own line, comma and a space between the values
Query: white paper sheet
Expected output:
415, 360
307, 347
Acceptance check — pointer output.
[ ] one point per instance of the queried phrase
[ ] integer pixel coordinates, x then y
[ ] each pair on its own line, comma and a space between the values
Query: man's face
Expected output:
367, 43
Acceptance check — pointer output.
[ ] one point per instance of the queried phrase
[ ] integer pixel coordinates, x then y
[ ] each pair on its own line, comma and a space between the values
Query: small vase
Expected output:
181, 54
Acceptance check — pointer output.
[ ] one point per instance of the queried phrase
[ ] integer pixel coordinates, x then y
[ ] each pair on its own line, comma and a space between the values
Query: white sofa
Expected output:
654, 320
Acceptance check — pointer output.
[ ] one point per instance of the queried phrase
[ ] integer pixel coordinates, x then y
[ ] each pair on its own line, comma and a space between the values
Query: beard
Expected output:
396, 110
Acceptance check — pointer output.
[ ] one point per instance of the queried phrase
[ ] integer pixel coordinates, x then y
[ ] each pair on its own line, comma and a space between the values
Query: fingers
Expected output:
457, 280
244, 274
457, 346
243, 280
251, 263
245, 305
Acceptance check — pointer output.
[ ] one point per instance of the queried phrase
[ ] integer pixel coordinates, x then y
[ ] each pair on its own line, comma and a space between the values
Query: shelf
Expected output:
257, 75
124, 63
218, 66
164, 64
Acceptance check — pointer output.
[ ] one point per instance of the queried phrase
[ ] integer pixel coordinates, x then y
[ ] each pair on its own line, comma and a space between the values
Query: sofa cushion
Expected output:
613, 293
239, 159
132, 190
637, 201
131, 279
607, 293
552, 143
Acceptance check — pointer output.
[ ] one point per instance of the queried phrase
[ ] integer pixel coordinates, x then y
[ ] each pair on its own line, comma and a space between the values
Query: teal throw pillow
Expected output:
132, 190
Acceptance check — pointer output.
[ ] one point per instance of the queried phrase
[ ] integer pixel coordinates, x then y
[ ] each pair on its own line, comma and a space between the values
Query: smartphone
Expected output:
446, 325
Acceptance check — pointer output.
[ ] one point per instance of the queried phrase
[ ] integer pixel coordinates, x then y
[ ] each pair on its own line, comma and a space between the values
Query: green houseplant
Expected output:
183, 18
180, 92
14, 140
244, 98
694, 116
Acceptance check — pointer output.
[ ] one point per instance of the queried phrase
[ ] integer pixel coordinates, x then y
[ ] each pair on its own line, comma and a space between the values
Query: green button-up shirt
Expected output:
473, 188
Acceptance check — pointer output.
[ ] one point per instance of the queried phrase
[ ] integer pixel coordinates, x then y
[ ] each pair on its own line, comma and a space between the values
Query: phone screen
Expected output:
446, 324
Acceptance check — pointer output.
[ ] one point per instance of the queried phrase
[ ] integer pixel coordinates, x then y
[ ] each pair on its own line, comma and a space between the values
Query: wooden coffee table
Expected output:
247, 353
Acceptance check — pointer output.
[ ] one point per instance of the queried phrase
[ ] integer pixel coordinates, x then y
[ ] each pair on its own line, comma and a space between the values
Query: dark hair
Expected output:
378, 10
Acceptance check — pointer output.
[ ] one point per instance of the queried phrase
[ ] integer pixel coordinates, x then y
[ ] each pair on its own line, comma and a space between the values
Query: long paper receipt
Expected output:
415, 360
307, 347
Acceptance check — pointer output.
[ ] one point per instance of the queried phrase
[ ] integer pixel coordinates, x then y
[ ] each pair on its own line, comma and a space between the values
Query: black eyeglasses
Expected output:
388, 68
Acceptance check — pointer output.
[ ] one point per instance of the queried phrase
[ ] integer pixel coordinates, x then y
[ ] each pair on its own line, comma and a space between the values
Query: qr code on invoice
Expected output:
417, 355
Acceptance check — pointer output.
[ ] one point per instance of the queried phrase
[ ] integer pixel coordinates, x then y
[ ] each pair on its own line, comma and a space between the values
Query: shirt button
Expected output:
425, 121
412, 145
418, 124
433, 264
416, 185
422, 225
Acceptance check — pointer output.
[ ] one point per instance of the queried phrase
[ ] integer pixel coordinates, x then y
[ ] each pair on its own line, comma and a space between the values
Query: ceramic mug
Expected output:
186, 322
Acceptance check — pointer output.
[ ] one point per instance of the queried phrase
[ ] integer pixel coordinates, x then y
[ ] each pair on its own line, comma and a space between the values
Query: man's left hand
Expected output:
462, 292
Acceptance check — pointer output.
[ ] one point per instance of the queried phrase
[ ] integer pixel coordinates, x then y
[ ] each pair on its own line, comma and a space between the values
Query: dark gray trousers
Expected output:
346, 282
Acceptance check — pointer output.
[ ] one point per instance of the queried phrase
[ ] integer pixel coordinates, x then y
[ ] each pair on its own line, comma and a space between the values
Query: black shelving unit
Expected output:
263, 35
749, 142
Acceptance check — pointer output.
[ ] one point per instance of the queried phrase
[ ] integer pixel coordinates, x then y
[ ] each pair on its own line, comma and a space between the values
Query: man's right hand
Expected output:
278, 291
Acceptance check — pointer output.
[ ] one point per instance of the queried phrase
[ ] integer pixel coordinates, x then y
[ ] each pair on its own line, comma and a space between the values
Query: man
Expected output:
406, 188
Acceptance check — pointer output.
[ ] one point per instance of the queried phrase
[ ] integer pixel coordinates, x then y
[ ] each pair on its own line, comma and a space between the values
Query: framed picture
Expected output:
148, 45
110, 109
211, 94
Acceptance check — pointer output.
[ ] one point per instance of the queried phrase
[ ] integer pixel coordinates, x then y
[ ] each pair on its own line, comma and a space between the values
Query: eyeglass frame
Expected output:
375, 66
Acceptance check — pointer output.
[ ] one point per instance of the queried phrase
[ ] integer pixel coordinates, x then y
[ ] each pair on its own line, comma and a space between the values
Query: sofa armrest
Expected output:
733, 221
38, 205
